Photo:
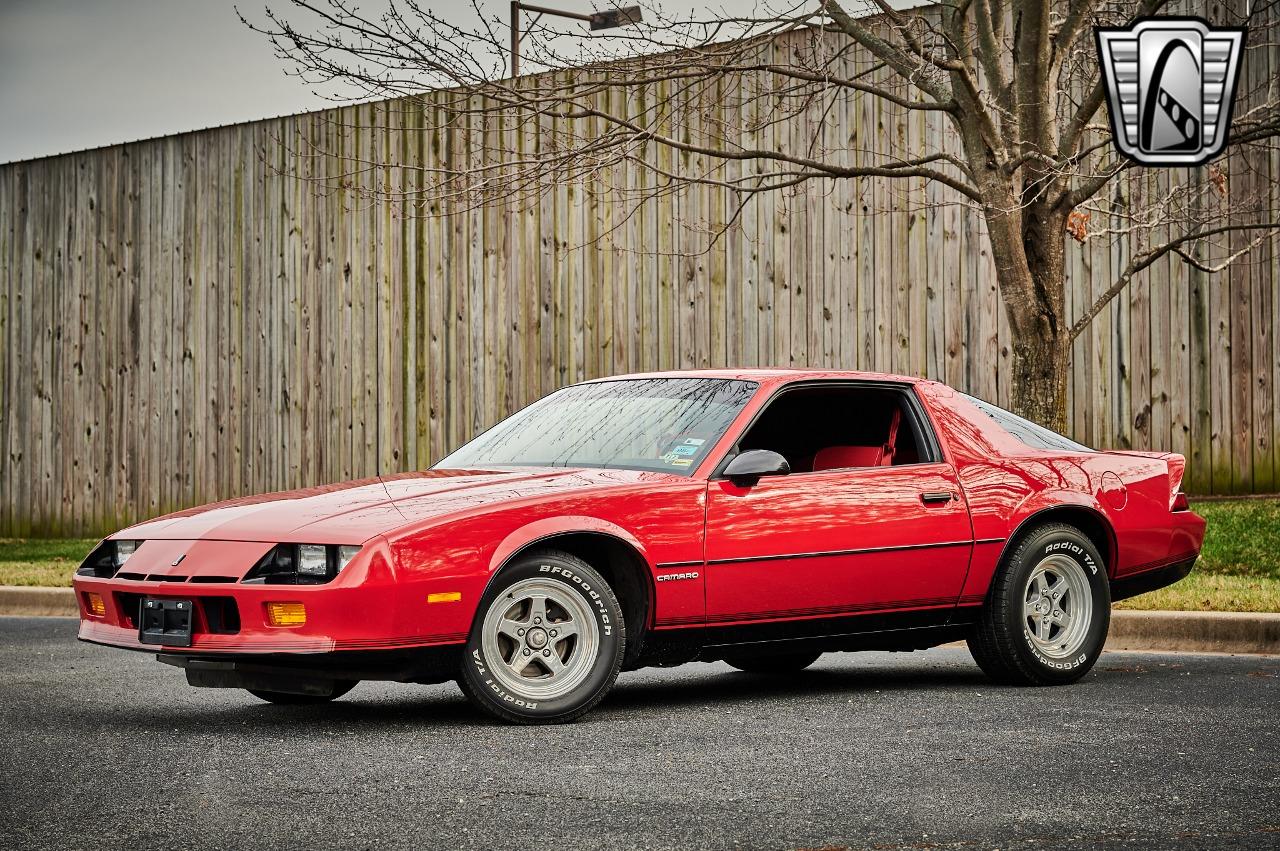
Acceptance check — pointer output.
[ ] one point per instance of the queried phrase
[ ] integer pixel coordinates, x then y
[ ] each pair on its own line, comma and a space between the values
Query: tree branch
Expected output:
1071, 135
1144, 260
907, 66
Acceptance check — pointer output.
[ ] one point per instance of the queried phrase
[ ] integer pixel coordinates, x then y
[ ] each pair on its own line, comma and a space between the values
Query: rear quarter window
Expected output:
1035, 436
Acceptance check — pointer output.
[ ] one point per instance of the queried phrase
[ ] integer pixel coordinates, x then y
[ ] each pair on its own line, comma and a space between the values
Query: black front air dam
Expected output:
227, 675
423, 665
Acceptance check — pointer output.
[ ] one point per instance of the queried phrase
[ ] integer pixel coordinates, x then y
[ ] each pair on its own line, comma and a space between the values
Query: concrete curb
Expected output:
1195, 632
37, 602
1188, 632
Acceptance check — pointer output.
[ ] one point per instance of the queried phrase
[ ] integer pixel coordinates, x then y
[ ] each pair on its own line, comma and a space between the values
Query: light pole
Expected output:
605, 20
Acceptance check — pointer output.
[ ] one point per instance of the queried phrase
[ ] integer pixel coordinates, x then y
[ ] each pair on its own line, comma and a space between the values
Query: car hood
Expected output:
353, 512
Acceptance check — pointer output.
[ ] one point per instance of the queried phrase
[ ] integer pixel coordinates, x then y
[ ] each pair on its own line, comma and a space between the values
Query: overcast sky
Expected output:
83, 74
78, 74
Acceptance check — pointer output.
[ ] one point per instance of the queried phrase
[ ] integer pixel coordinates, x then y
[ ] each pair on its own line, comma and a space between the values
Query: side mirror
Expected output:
750, 466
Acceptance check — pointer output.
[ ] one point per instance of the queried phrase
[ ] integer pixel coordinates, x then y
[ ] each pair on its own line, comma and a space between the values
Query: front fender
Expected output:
548, 528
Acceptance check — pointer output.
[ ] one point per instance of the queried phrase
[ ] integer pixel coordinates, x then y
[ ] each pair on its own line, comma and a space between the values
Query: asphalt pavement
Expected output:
102, 748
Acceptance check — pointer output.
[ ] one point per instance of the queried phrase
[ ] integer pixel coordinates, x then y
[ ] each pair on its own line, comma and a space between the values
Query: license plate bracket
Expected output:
165, 622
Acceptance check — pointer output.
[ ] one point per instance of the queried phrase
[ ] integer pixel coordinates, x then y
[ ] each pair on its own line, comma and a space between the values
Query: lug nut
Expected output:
546, 652
519, 632
553, 633
526, 651
537, 620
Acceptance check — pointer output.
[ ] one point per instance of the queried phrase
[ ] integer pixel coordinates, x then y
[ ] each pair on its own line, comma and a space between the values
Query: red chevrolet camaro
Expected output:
761, 517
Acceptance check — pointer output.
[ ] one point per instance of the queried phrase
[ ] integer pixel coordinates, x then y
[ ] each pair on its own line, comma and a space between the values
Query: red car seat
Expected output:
839, 457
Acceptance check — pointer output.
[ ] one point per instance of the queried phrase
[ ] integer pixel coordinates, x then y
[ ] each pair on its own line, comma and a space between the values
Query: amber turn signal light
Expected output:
444, 597
93, 602
286, 614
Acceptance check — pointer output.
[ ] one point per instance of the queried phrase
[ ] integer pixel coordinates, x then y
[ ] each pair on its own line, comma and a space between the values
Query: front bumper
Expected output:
233, 620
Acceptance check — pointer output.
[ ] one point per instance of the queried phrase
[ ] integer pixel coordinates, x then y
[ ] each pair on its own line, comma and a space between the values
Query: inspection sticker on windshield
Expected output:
693, 441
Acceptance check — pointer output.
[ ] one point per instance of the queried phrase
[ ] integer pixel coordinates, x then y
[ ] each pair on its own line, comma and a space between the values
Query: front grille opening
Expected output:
128, 605
213, 580
164, 577
221, 614
136, 577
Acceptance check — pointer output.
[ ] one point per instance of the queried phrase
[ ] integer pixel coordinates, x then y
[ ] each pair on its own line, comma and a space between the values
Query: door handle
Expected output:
936, 497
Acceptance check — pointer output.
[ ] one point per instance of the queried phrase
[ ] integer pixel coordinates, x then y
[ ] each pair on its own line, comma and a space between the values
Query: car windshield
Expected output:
660, 424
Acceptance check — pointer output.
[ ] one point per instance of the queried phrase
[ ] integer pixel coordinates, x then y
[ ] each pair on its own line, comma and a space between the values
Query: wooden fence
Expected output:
181, 323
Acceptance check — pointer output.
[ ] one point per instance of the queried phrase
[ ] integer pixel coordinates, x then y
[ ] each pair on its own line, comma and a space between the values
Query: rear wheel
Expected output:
284, 698
776, 663
547, 642
1046, 616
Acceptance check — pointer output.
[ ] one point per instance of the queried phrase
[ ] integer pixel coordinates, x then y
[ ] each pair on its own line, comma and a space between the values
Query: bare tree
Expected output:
1017, 81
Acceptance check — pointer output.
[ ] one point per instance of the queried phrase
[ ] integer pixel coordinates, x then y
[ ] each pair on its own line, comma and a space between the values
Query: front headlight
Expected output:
108, 558
124, 549
313, 560
345, 555
301, 564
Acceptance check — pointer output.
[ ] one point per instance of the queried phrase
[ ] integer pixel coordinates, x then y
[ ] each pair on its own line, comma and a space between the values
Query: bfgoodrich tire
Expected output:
547, 642
1048, 610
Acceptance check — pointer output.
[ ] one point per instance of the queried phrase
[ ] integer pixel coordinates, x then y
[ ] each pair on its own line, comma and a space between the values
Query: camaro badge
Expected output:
1170, 87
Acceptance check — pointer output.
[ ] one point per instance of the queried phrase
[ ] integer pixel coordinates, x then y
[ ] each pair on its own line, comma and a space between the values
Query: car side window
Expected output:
820, 428
1035, 436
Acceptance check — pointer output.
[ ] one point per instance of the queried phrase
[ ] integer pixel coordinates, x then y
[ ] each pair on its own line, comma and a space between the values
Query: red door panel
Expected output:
835, 542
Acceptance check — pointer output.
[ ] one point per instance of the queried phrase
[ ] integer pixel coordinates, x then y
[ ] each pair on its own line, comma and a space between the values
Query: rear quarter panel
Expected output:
1008, 484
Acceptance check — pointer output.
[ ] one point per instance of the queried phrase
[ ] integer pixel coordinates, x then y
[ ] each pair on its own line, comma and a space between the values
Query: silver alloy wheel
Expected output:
541, 639
1058, 606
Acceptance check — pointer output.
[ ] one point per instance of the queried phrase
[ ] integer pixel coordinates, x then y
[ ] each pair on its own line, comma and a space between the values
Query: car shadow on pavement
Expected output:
372, 706
233, 712
724, 687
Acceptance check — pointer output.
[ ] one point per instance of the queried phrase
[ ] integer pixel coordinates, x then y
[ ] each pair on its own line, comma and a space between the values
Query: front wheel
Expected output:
547, 642
1046, 617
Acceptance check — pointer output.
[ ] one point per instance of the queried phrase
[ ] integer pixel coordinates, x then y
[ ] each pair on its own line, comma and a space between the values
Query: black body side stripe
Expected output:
930, 602
866, 550
830, 553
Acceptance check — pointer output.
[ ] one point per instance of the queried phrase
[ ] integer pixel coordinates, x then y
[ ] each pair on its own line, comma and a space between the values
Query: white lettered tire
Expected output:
1047, 613
547, 642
